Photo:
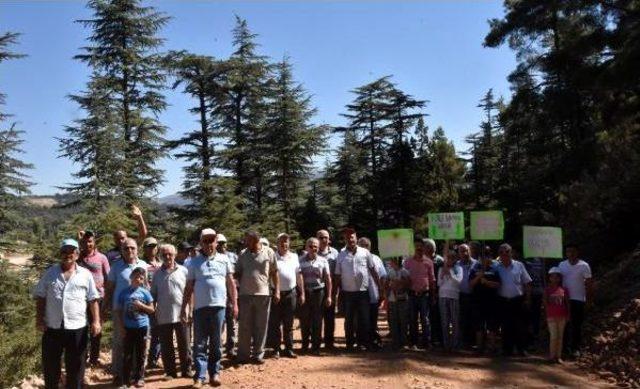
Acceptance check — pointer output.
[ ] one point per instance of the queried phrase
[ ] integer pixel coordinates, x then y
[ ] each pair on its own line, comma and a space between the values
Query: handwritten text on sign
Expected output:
448, 225
487, 225
395, 243
543, 242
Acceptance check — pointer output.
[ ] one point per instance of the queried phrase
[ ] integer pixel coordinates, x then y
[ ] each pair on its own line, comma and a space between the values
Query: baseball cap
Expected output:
69, 242
555, 270
283, 235
222, 238
264, 241
184, 246
150, 242
207, 231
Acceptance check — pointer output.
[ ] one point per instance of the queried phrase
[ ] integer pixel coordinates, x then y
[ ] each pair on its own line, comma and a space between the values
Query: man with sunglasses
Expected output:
117, 281
62, 296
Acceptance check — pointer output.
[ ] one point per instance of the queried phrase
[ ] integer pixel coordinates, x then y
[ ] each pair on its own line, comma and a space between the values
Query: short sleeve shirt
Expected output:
254, 270
119, 276
574, 277
288, 270
421, 274
374, 292
394, 275
132, 317
465, 288
66, 300
512, 279
353, 269
330, 255
481, 292
210, 276
98, 264
168, 289
313, 272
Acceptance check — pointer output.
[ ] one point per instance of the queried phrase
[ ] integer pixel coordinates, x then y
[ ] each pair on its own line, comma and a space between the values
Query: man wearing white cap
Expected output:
209, 278
231, 324
62, 296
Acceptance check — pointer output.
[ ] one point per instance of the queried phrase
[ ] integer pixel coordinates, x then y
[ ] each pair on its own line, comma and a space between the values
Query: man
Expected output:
537, 270
117, 281
353, 267
515, 296
231, 322
466, 296
422, 292
184, 253
210, 277
62, 296
282, 313
150, 256
485, 281
330, 255
577, 279
94, 261
256, 266
434, 306
375, 297
120, 236
167, 290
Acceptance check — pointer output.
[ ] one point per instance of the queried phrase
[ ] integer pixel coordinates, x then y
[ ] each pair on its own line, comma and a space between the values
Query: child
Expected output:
556, 304
396, 286
136, 303
449, 278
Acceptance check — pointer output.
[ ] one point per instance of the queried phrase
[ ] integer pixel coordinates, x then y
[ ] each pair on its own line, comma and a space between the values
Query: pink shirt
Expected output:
98, 265
556, 307
421, 273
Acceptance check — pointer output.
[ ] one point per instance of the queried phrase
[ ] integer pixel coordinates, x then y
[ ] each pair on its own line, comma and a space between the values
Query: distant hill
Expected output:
174, 200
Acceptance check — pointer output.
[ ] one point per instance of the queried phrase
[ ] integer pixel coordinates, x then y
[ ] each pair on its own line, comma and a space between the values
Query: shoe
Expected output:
215, 380
169, 377
289, 354
139, 384
197, 384
231, 354
186, 374
258, 361
315, 351
576, 354
276, 354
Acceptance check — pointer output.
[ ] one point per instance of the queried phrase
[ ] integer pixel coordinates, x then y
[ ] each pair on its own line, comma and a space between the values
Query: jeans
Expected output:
94, 341
513, 324
207, 323
467, 333
556, 332
419, 309
573, 335
117, 347
231, 329
254, 317
329, 318
450, 316
311, 318
356, 311
168, 353
154, 344
135, 344
74, 345
281, 314
398, 318
374, 310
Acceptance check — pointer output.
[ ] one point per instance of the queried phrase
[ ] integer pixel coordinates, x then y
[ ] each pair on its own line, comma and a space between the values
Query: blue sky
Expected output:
433, 49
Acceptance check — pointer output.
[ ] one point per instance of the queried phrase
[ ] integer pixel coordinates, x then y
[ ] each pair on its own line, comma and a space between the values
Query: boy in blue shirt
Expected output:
136, 303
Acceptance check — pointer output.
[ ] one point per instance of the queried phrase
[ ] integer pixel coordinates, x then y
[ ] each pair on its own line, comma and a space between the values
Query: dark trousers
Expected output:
467, 332
374, 310
94, 341
535, 315
74, 345
154, 346
513, 324
356, 312
329, 317
281, 314
419, 310
231, 329
434, 320
573, 330
135, 344
167, 349
311, 318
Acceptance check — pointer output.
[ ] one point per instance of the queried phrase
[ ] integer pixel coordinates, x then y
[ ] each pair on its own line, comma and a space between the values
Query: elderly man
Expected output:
150, 256
466, 295
422, 292
98, 264
167, 290
515, 295
434, 308
281, 313
256, 266
62, 296
330, 254
231, 322
210, 277
354, 265
119, 280
375, 296
120, 236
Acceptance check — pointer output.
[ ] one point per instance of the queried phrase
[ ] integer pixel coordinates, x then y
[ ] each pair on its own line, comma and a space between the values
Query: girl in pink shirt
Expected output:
556, 304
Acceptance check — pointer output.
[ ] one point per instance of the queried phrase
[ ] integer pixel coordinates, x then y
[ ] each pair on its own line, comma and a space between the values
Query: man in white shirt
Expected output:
329, 317
353, 267
577, 279
375, 297
282, 312
62, 296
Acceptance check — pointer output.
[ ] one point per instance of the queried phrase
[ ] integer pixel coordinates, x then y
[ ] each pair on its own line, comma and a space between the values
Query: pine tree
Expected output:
123, 54
446, 176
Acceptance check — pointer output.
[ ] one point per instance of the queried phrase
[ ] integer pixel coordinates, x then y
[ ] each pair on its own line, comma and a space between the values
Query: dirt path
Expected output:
408, 369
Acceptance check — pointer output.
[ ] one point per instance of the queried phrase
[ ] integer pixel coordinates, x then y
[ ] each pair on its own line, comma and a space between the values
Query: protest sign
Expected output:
395, 243
543, 242
449, 225
487, 225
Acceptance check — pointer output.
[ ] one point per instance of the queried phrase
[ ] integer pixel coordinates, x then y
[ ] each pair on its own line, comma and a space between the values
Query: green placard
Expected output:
449, 225
543, 242
487, 225
395, 243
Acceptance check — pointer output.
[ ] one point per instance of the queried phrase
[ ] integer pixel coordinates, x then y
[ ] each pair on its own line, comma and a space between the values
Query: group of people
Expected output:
199, 293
